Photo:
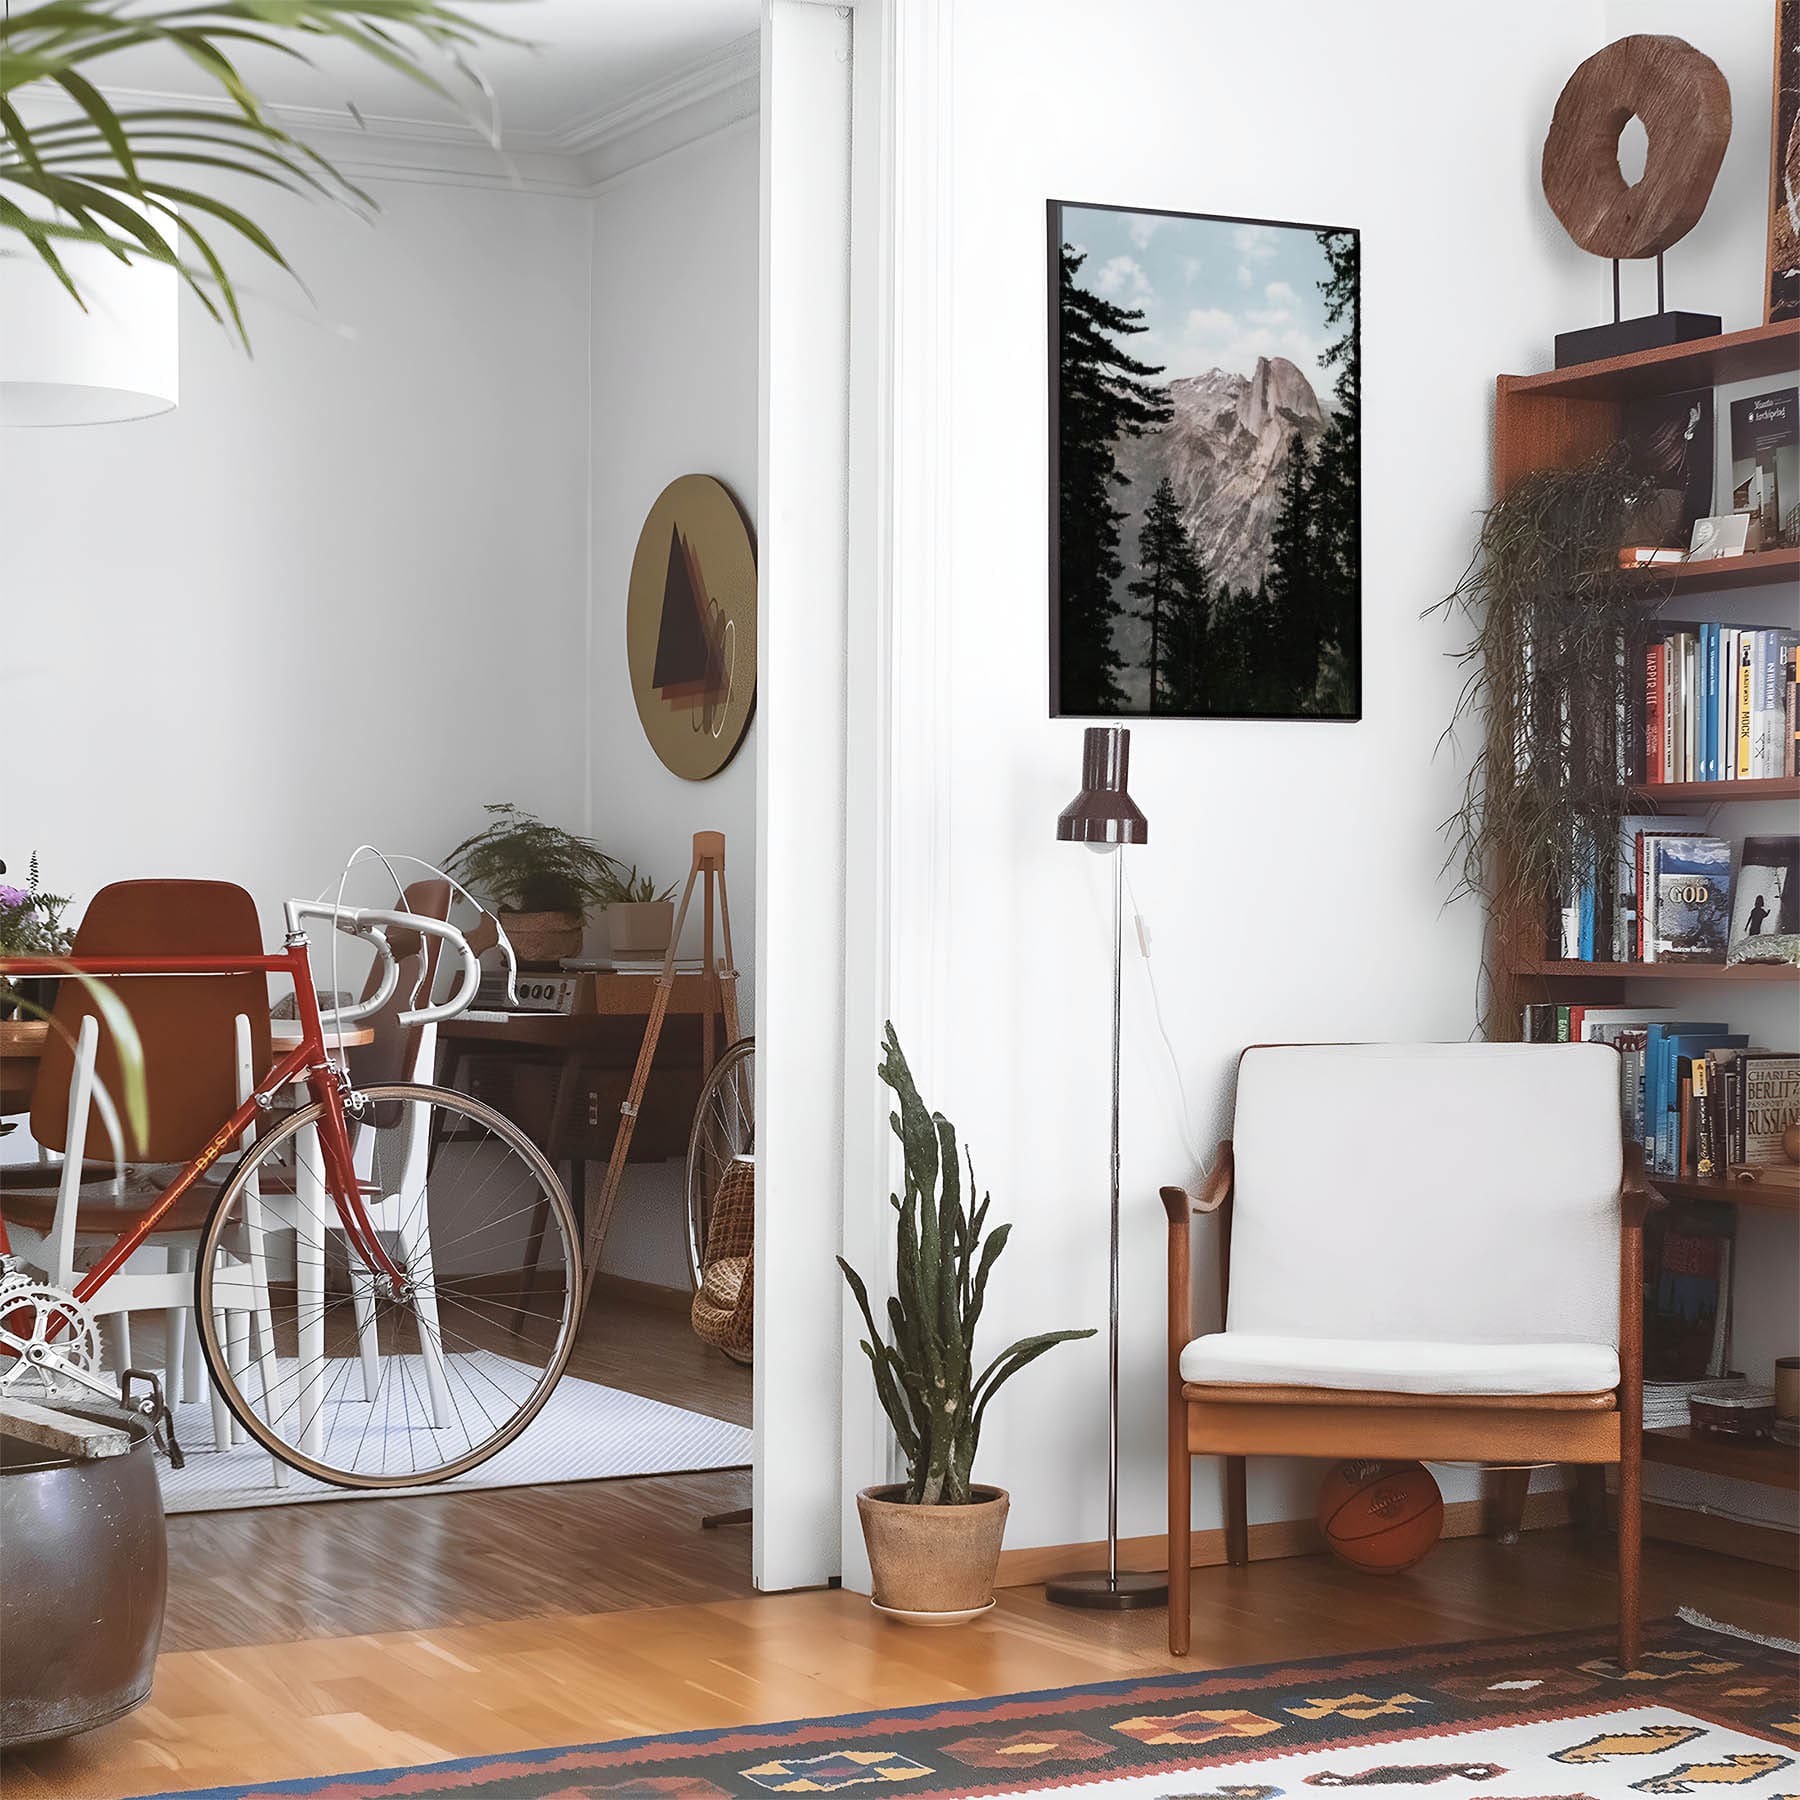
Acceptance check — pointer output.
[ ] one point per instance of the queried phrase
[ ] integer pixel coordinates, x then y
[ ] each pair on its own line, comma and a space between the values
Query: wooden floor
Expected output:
336, 1704
281, 1573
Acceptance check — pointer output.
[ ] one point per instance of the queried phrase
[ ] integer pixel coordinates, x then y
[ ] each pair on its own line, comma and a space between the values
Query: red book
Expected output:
1653, 714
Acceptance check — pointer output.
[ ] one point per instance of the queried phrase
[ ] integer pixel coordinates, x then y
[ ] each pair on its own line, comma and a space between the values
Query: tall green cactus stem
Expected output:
924, 1372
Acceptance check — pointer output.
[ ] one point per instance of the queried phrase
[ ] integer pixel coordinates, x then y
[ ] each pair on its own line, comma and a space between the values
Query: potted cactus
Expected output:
934, 1539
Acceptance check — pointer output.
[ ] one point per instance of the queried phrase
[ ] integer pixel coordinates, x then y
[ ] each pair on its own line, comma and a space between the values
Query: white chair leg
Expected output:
115, 1332
193, 1362
368, 1343
237, 1359
175, 1329
222, 1421
309, 1269
415, 1255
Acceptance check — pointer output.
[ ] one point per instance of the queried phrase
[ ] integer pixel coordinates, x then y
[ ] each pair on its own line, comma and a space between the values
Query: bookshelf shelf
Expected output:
1777, 787
1764, 350
1760, 568
1770, 1198
1655, 971
1758, 1460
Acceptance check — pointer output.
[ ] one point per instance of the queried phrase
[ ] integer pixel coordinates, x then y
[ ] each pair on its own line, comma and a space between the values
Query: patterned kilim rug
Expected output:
1544, 1718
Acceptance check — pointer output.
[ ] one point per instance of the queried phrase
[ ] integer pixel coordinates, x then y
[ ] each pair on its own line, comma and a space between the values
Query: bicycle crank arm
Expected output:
48, 1358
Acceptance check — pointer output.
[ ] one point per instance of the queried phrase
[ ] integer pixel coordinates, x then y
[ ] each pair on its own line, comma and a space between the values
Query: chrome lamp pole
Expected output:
1104, 817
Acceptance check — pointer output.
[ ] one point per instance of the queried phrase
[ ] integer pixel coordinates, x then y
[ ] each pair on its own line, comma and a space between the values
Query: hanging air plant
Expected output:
1549, 681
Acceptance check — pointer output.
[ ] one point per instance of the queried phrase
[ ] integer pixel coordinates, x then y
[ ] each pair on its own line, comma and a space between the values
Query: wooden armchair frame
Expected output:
1238, 1420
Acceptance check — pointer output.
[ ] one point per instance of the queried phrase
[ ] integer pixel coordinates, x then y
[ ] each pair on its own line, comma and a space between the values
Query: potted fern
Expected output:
934, 1539
542, 878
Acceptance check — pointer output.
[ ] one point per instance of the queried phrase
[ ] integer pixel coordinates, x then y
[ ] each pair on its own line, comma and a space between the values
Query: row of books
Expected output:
1677, 894
1699, 1097
1719, 704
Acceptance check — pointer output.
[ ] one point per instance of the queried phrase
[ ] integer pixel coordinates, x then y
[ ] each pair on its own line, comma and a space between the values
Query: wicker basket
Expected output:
722, 1312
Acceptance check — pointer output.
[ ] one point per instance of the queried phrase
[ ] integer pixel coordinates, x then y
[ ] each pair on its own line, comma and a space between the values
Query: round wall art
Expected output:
690, 626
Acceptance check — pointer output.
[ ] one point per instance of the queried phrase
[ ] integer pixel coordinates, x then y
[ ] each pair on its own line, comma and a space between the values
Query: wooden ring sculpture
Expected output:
1685, 104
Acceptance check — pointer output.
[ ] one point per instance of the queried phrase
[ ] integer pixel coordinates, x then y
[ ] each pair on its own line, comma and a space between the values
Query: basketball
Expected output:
1380, 1517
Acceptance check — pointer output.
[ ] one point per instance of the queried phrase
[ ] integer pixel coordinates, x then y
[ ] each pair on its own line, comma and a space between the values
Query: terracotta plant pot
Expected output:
542, 939
934, 1565
640, 928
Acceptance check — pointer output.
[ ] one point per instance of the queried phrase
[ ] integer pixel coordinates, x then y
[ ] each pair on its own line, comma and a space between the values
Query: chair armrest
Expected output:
1636, 1197
1179, 1204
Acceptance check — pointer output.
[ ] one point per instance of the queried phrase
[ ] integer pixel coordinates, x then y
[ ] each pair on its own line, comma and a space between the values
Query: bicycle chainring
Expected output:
34, 1312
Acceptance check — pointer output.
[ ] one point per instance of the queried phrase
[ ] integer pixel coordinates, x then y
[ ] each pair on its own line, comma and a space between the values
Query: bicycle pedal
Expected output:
156, 1409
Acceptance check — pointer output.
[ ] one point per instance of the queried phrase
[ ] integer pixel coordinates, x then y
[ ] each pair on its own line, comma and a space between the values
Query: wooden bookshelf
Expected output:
1559, 420
1715, 793
1760, 568
1765, 1197
1551, 970
1743, 1459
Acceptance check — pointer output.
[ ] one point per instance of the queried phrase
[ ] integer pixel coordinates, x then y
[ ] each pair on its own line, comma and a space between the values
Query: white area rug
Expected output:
586, 1432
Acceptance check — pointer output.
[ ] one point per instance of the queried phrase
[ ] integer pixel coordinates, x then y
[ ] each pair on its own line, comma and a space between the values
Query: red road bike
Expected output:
387, 1280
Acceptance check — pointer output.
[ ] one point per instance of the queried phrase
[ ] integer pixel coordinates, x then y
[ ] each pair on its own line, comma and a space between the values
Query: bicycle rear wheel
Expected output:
724, 1127
348, 1376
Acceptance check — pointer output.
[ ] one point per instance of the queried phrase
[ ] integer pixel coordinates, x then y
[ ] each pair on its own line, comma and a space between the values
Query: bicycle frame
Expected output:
308, 1060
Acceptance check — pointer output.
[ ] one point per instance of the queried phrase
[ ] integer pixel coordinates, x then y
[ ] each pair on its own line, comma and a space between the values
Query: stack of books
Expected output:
1718, 704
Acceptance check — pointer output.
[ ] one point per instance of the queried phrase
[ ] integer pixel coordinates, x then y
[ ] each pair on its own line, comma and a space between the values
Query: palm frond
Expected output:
121, 179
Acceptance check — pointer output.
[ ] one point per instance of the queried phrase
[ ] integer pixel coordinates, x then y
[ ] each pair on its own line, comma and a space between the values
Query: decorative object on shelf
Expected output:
1787, 1378
1765, 463
1684, 104
542, 878
1766, 901
1205, 541
106, 219
1670, 438
1783, 296
1544, 799
690, 626
1105, 818
934, 1540
1790, 1142
1734, 1410
1721, 535
1380, 1517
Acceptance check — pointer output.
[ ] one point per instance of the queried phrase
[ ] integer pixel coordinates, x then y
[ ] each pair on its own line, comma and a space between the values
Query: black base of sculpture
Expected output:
1624, 337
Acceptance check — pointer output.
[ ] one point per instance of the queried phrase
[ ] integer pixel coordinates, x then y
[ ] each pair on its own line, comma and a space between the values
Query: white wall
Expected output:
674, 344
1293, 877
375, 528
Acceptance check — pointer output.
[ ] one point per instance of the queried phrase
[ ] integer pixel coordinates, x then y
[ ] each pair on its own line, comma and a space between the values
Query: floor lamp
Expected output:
1104, 817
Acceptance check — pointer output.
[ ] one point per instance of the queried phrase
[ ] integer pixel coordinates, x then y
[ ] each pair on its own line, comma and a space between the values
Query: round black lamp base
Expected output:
1094, 1589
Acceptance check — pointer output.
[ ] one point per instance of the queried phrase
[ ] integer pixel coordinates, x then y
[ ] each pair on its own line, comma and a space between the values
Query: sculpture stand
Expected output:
1624, 337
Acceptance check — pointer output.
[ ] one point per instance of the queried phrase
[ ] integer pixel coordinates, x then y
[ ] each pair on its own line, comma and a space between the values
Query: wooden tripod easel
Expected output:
720, 977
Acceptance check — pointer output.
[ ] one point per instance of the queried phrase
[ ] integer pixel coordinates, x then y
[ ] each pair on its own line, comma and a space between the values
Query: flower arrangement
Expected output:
30, 925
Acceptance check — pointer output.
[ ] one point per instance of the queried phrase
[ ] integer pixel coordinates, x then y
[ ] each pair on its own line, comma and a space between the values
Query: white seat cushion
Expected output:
1395, 1366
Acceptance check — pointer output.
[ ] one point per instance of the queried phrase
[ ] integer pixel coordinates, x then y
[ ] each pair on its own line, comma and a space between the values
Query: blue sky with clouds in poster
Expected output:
1215, 293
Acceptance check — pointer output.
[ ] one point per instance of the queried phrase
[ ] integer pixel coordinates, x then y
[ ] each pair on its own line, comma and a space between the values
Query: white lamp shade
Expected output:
61, 366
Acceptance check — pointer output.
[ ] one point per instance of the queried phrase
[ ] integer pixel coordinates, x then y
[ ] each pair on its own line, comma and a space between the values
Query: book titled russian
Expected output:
1770, 1098
1765, 460
1690, 885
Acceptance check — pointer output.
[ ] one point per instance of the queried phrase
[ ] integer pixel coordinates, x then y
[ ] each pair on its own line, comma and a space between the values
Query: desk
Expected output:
562, 1076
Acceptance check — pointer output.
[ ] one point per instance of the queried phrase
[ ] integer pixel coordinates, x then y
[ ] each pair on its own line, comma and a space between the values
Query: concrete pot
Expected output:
541, 940
640, 928
81, 1606
933, 1564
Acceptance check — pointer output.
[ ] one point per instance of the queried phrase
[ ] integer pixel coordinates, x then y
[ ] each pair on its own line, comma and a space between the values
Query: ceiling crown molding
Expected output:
723, 74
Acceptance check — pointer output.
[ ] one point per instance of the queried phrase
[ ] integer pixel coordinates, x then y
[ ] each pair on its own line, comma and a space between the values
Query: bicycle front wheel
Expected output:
358, 1379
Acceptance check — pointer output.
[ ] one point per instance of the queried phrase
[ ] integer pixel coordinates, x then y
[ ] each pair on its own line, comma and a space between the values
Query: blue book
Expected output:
1585, 945
1709, 704
1658, 1062
1682, 1039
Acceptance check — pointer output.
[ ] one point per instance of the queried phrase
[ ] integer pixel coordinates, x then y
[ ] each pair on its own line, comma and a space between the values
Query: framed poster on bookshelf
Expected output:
1784, 168
1205, 466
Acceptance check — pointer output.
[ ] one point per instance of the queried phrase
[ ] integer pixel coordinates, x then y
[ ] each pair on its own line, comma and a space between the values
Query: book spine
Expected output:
1743, 704
1653, 714
1726, 752
1791, 742
1670, 703
1684, 1124
1562, 1024
1705, 1163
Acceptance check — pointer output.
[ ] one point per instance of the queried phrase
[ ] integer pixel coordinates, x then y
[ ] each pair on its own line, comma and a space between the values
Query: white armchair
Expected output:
1426, 1251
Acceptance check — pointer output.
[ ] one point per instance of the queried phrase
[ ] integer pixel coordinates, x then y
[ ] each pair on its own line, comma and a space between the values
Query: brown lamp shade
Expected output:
1103, 812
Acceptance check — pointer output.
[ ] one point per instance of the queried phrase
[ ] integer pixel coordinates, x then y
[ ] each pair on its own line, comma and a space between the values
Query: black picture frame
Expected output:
1264, 697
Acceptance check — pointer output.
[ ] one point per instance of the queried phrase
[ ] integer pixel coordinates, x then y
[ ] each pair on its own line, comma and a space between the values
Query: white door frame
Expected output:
852, 810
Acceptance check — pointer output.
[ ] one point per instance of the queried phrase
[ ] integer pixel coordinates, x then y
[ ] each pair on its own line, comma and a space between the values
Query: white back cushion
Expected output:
1456, 1192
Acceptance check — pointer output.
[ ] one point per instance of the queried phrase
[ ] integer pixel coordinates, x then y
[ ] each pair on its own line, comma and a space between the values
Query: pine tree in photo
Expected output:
1337, 489
1103, 395
1172, 588
1186, 672
1292, 621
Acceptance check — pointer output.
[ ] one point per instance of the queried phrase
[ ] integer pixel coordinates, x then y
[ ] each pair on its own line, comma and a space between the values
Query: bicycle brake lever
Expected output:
156, 1409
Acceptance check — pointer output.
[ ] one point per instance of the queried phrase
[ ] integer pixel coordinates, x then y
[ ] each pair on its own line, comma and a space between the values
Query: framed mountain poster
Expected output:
1205, 466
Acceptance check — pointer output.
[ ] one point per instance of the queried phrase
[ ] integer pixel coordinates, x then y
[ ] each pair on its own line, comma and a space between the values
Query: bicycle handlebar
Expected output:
373, 925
